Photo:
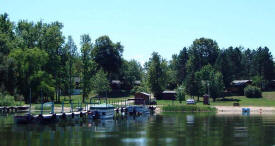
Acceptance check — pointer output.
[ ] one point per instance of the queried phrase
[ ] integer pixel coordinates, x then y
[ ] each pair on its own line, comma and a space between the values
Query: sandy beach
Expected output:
238, 110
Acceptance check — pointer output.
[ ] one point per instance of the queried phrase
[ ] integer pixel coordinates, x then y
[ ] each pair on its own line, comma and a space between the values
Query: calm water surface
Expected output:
162, 129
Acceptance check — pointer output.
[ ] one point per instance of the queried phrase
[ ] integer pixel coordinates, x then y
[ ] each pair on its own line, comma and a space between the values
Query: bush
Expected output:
8, 100
252, 92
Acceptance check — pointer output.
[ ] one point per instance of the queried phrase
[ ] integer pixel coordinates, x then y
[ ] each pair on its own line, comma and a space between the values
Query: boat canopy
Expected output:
102, 106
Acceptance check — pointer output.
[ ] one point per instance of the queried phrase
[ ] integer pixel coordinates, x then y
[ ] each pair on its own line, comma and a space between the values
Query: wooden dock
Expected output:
14, 108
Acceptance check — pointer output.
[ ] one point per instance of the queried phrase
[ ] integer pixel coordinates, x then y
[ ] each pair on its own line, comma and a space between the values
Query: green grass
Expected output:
268, 100
188, 108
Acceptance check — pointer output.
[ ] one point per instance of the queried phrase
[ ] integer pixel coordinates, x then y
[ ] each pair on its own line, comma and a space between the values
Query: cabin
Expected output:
168, 95
142, 98
237, 86
116, 84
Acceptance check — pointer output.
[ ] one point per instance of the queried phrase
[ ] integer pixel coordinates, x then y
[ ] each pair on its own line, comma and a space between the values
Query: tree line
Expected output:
205, 68
39, 57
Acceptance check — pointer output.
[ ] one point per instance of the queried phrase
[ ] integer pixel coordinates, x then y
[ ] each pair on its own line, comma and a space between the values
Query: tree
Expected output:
193, 84
257, 81
100, 83
208, 76
172, 80
157, 74
42, 83
86, 48
28, 64
206, 50
180, 93
264, 63
181, 71
216, 85
7, 65
72, 52
107, 55
130, 72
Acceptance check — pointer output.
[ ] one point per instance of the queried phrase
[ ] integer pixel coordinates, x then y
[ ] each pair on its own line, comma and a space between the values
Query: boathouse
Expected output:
142, 98
168, 95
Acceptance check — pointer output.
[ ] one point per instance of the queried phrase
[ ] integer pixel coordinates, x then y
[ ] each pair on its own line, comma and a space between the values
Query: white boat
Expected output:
137, 109
101, 111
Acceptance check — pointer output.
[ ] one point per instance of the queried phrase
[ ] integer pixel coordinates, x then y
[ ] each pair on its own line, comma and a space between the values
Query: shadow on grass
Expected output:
229, 99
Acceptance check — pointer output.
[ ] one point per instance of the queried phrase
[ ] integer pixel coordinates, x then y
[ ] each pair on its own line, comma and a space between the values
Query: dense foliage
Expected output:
252, 92
39, 57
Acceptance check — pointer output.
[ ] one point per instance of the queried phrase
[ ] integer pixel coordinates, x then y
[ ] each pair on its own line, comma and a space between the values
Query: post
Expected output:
106, 98
62, 107
42, 108
52, 108
72, 108
30, 100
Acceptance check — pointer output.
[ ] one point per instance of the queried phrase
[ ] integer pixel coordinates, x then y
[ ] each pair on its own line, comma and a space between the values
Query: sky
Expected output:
164, 26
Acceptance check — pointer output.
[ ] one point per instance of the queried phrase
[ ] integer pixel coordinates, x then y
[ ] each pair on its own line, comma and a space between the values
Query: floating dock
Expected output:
14, 108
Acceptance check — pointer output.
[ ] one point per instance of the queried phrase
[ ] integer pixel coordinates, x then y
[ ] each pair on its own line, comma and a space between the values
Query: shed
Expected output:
115, 84
168, 95
142, 98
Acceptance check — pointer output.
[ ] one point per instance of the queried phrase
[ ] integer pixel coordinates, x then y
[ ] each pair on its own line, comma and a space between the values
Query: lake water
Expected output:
162, 129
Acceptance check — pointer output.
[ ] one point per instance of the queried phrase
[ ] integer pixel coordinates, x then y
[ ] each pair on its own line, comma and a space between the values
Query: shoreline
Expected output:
233, 110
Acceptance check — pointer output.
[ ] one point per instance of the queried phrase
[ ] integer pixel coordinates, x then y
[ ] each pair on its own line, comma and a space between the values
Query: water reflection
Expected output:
163, 129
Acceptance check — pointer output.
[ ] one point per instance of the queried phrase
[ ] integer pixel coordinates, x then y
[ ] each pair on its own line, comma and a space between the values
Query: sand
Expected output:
238, 110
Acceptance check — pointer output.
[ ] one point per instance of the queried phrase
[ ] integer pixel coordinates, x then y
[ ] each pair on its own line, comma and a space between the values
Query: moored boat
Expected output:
137, 110
101, 111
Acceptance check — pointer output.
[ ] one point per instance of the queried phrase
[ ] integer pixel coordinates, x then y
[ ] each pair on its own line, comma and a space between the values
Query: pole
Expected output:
106, 98
30, 100
62, 107
72, 109
52, 107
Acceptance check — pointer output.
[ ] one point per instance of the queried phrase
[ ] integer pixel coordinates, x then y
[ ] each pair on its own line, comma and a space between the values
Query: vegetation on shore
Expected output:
188, 108
8, 100
267, 100
37, 59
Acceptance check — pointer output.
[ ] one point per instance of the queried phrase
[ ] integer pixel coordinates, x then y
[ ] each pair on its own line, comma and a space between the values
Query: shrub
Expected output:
8, 100
252, 92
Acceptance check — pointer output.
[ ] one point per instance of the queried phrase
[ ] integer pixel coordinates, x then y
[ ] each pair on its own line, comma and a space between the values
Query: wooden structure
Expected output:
237, 86
168, 95
14, 108
116, 84
206, 99
142, 98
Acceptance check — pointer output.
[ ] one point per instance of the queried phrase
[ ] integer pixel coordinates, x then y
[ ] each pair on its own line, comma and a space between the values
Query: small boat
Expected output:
137, 110
101, 111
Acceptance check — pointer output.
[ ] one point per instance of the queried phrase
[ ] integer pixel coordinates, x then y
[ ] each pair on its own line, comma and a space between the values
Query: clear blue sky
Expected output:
144, 26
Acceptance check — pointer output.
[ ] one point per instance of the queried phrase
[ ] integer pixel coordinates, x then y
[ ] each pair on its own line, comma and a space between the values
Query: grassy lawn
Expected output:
267, 100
